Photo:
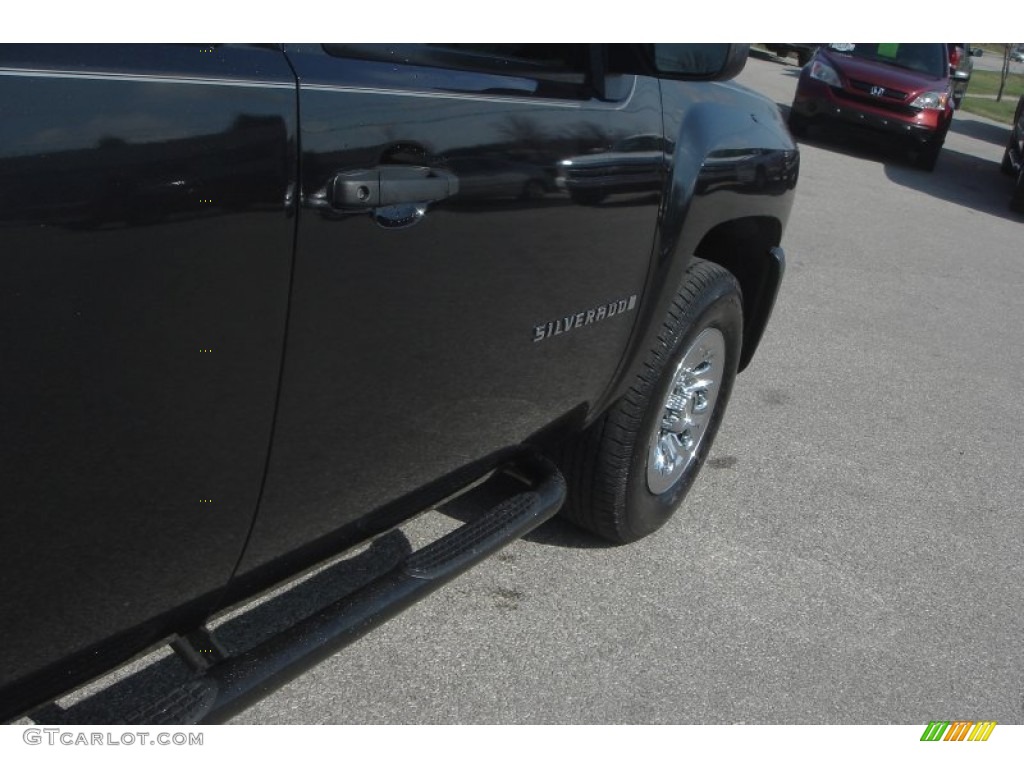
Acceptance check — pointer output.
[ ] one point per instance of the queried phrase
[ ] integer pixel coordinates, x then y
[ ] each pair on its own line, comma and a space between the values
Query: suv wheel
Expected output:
631, 469
1007, 165
798, 124
928, 153
1017, 201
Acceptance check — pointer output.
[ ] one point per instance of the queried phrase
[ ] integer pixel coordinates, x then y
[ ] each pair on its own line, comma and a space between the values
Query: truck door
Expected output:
147, 238
475, 232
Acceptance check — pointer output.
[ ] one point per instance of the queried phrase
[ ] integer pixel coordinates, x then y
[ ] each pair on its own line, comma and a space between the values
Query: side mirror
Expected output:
697, 61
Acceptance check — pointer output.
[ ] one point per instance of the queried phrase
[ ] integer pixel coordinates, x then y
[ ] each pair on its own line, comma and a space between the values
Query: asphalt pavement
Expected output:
852, 552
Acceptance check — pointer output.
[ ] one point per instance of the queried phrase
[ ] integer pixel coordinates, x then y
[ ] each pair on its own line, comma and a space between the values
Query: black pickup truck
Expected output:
262, 304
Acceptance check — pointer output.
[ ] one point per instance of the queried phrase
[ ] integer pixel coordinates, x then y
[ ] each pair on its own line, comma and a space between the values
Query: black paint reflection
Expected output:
141, 329
580, 163
497, 177
119, 182
749, 171
633, 164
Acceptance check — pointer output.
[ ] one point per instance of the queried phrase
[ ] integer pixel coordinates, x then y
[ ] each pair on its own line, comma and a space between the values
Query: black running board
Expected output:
227, 685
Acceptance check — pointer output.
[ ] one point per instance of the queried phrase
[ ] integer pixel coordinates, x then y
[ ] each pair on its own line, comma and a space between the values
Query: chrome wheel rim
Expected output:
686, 411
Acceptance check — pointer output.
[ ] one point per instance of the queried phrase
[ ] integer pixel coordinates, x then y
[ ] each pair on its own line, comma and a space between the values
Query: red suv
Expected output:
900, 89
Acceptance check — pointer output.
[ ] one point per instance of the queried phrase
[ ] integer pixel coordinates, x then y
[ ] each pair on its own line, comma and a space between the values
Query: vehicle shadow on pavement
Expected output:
960, 178
558, 532
976, 129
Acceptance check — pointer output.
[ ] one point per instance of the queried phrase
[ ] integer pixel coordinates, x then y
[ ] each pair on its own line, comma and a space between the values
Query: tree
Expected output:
1007, 47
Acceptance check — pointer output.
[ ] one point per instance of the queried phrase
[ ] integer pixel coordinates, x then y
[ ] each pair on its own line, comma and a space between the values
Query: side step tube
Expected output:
226, 686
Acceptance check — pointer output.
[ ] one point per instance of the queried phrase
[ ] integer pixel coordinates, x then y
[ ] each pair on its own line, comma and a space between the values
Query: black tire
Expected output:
607, 467
1007, 165
928, 153
1017, 201
802, 57
798, 124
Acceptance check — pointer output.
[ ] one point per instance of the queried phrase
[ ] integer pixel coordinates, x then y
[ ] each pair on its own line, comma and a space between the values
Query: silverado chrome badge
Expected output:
587, 317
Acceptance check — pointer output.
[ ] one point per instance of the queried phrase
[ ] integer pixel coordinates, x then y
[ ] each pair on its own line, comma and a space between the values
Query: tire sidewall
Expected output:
717, 308
1017, 200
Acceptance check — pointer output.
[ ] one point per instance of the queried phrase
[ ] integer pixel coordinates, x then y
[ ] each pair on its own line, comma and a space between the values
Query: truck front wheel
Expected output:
630, 470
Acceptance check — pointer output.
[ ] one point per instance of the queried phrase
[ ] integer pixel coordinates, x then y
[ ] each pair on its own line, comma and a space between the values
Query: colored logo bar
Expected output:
958, 730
